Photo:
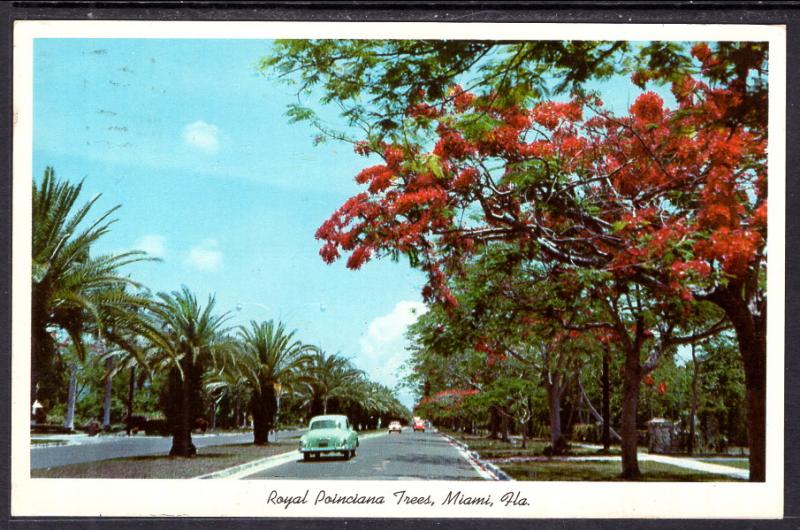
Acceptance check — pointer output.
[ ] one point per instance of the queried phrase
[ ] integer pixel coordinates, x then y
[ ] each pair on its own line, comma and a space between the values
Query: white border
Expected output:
68, 497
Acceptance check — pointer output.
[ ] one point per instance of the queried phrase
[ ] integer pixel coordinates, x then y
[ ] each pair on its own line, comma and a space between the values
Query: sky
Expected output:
194, 143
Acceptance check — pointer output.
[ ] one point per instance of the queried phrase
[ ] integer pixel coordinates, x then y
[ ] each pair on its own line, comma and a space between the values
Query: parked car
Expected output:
395, 427
331, 433
419, 425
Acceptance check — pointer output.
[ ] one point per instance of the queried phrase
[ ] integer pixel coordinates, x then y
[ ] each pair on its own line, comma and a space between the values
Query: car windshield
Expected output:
323, 424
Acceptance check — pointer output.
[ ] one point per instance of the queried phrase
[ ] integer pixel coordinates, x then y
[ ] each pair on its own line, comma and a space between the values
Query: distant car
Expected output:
395, 427
331, 433
419, 425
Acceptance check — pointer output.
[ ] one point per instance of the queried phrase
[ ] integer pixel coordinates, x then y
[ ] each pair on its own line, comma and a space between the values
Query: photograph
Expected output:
428, 270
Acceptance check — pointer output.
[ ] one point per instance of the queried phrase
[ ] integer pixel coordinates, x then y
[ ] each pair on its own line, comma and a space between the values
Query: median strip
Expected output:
262, 464
486, 470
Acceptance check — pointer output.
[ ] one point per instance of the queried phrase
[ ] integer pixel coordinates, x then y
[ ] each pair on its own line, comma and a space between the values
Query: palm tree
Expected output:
329, 377
71, 289
268, 356
228, 391
376, 400
192, 339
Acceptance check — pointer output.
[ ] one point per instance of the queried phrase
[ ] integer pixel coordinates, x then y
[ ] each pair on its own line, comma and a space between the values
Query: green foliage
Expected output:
72, 289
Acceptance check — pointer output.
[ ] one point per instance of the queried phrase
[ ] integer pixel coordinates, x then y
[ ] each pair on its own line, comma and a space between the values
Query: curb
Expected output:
50, 444
476, 460
254, 465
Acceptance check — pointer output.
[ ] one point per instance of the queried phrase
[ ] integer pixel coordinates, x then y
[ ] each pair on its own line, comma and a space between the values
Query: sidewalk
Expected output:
83, 438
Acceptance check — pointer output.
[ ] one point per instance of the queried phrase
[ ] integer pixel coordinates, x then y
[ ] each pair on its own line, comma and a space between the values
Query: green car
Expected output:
329, 434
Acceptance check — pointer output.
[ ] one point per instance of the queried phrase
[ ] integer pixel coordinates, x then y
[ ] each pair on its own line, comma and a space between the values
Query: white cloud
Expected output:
153, 244
205, 256
383, 346
201, 135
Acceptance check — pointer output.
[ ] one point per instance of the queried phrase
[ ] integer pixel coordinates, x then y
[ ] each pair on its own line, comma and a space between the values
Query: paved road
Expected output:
103, 448
406, 456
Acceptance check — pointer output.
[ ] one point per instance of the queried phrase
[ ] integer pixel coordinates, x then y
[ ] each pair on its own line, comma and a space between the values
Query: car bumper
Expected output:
325, 449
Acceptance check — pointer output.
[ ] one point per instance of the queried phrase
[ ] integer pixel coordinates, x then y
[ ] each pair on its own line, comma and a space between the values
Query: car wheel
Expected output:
306, 457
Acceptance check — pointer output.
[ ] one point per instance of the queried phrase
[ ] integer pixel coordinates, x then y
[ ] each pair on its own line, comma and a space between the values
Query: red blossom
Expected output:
648, 108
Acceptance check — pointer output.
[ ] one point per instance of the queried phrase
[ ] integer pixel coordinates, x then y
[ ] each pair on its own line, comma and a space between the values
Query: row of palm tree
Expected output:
171, 333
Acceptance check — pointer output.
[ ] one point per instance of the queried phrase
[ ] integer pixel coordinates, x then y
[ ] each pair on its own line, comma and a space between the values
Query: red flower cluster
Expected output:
678, 193
550, 113
648, 108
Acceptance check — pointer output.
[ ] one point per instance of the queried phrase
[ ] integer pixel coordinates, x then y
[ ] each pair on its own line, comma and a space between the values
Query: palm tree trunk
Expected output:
107, 395
69, 419
263, 407
182, 429
131, 388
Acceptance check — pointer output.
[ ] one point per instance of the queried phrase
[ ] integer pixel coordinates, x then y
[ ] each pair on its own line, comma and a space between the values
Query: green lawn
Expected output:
605, 471
207, 460
491, 449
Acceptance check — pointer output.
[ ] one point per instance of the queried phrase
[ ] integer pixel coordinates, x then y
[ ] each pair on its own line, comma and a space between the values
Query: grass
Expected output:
207, 460
489, 448
605, 471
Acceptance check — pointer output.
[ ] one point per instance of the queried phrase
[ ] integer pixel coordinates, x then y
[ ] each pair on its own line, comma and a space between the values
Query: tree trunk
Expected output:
107, 395
131, 388
213, 419
494, 423
182, 430
69, 419
756, 422
751, 333
529, 423
606, 402
263, 409
693, 415
554, 406
504, 428
630, 404
43, 351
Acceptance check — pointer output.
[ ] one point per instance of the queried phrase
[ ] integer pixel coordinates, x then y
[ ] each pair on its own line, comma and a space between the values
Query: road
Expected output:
105, 447
406, 456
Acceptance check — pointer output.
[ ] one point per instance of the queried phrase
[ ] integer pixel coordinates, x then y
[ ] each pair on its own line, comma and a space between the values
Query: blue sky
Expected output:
193, 143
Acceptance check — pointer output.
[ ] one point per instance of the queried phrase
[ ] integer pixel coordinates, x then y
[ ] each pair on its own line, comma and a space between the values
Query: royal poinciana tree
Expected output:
673, 199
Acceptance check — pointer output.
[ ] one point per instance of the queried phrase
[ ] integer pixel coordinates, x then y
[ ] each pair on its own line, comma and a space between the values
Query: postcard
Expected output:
398, 269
